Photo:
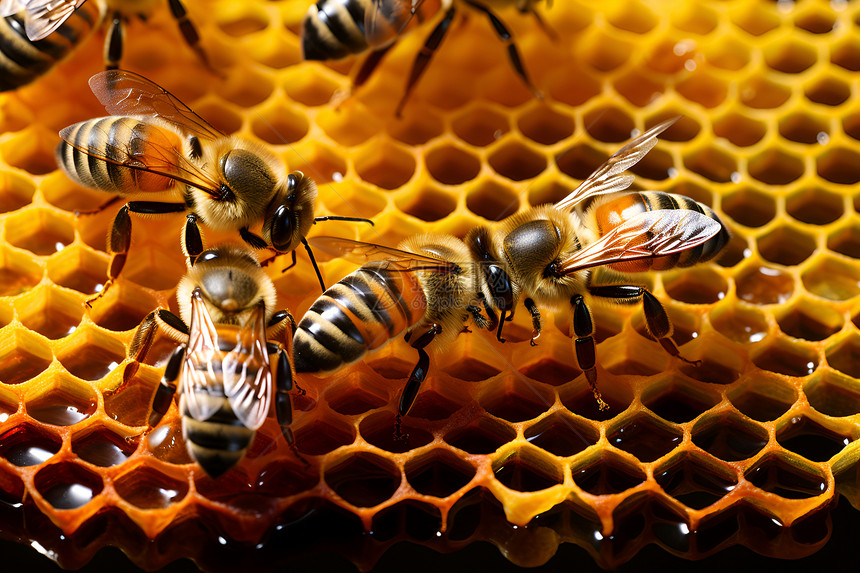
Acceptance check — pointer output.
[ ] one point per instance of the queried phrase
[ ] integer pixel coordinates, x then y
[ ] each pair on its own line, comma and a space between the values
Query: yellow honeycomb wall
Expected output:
753, 447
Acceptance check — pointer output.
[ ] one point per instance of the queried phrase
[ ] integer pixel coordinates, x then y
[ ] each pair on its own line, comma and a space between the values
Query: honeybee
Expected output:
224, 334
553, 255
36, 34
155, 143
335, 29
424, 288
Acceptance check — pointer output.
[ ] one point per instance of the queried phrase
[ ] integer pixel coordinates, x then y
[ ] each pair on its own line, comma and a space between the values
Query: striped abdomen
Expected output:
219, 442
362, 312
93, 153
335, 29
22, 61
614, 211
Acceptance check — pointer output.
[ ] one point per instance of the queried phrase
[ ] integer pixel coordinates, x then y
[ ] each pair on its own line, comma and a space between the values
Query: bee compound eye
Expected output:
283, 225
207, 255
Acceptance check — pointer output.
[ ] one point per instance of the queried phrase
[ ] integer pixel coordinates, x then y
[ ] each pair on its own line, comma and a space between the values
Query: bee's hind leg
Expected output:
586, 354
410, 390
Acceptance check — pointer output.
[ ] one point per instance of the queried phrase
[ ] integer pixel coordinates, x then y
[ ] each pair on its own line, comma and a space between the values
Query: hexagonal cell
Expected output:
739, 322
480, 126
363, 479
844, 355
78, 268
527, 469
68, 485
845, 241
678, 401
246, 87
832, 278
26, 445
40, 231
123, 307
603, 52
223, 117
433, 406
695, 480
609, 123
728, 53
321, 437
546, 125
278, 479
703, 88
750, 207
352, 400
728, 436
754, 19
279, 124
712, 163
52, 312
562, 434
839, 165
18, 272
419, 520
644, 436
696, 285
483, 436
548, 370
23, 356
166, 443
438, 473
580, 401
735, 252
789, 357
759, 92
638, 87
241, 20
787, 477
810, 319
833, 394
828, 90
579, 161
379, 429
634, 17
816, 21
776, 167
517, 402
417, 129
790, 56
804, 127
786, 245
31, 150
492, 200
91, 354
348, 128
385, 165
147, 488
845, 53
739, 129
103, 447
815, 206
516, 161
309, 86
16, 191
452, 165
810, 439
65, 401
763, 397
764, 285
606, 473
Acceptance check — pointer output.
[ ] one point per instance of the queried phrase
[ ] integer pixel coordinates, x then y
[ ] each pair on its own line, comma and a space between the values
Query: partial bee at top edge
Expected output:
225, 333
585, 246
335, 29
36, 34
155, 143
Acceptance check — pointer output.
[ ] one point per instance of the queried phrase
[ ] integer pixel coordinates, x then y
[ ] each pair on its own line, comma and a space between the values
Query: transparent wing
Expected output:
152, 150
385, 19
126, 93
361, 253
247, 373
10, 7
610, 177
201, 371
44, 16
647, 235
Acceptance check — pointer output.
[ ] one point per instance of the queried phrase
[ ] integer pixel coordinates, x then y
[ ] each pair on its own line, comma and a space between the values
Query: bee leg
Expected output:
288, 267
252, 239
192, 241
479, 319
423, 58
145, 333
165, 391
336, 218
513, 54
314, 263
492, 317
543, 25
660, 326
501, 325
535, 312
100, 208
369, 65
113, 43
583, 327
283, 324
410, 390
189, 31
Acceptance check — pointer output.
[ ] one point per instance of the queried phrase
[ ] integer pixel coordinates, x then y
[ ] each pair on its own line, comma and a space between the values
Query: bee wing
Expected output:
199, 374
44, 16
646, 235
610, 177
126, 93
10, 7
154, 153
360, 252
385, 19
247, 373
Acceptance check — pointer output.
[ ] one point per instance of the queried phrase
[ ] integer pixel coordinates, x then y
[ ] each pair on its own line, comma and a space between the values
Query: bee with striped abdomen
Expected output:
36, 34
335, 29
155, 143
226, 381
561, 254
424, 288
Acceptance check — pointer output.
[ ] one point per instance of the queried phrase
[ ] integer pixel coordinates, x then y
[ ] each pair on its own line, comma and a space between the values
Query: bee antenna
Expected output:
314, 262
335, 218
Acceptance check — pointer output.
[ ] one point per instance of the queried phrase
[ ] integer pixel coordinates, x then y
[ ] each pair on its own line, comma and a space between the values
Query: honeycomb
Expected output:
505, 442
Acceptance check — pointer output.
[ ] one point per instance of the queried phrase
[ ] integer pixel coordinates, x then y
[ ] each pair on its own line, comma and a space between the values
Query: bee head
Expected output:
291, 213
497, 285
532, 248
